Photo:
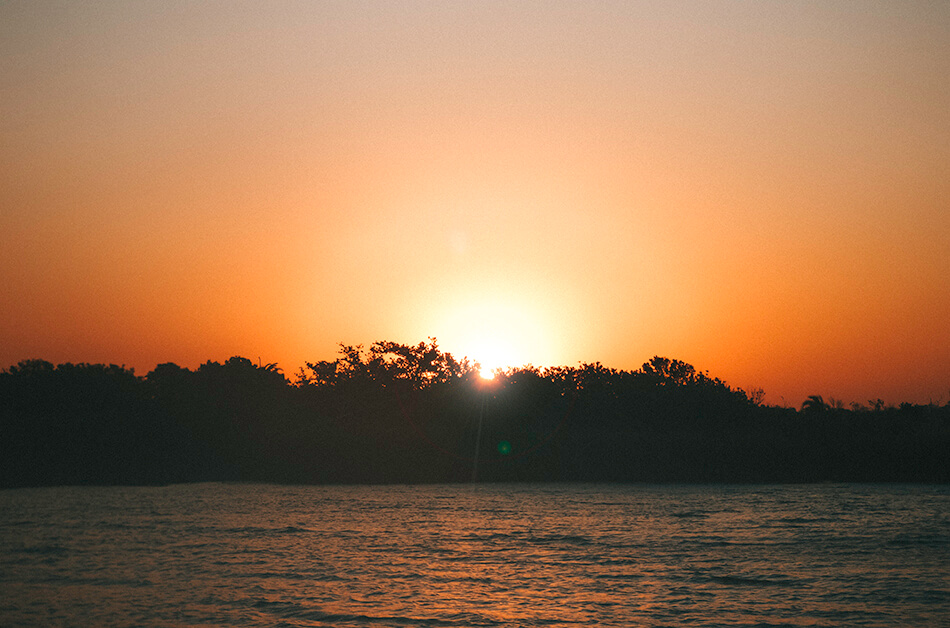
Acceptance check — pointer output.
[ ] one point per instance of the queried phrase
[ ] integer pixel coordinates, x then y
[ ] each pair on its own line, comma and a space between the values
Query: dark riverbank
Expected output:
413, 414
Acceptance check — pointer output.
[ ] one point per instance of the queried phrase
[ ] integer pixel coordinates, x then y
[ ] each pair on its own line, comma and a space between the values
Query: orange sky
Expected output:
759, 189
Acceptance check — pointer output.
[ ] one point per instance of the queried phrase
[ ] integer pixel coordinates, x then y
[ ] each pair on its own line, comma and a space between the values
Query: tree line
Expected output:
397, 413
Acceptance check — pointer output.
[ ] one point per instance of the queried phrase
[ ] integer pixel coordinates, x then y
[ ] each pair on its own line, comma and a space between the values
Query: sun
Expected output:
494, 335
491, 353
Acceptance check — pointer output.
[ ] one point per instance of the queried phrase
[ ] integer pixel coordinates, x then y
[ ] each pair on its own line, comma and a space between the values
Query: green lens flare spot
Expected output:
504, 448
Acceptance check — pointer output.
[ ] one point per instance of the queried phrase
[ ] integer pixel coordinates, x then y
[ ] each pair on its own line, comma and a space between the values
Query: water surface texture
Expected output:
476, 555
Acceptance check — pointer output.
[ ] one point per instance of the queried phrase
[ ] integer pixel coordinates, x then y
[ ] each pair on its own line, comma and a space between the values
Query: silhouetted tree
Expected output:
814, 404
670, 371
409, 413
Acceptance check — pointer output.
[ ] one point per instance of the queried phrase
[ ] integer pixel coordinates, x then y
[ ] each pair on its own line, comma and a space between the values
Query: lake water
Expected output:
476, 555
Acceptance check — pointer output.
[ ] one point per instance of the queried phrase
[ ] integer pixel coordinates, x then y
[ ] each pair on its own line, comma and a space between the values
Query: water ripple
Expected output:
257, 555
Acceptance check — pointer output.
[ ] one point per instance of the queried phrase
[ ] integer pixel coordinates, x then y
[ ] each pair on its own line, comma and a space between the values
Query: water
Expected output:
477, 555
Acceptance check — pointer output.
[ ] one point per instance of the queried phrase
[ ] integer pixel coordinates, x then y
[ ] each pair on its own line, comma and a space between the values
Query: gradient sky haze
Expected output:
761, 189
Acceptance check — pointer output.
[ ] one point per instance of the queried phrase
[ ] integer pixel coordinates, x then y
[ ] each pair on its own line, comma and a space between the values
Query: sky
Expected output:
761, 189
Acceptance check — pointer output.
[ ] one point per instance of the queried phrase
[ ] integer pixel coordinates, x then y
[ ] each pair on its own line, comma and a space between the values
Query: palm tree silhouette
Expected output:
814, 403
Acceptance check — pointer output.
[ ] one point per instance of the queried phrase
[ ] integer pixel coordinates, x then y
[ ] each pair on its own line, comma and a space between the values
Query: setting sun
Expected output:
496, 334
492, 354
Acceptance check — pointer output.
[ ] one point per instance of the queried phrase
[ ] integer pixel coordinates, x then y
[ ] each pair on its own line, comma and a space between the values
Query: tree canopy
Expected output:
393, 412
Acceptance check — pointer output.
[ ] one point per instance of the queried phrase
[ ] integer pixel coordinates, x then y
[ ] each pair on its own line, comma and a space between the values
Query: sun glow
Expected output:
491, 354
495, 336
